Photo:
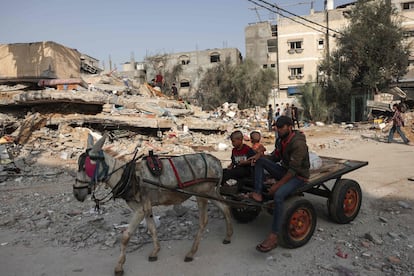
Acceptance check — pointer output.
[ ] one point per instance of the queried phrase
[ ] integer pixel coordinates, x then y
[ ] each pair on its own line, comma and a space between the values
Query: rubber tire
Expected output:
345, 189
245, 214
297, 210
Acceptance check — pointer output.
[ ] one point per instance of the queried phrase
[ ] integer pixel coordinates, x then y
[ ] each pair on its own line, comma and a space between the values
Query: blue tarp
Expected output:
292, 90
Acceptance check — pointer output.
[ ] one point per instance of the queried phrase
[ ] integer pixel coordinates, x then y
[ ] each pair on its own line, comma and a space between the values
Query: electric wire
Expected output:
290, 18
278, 9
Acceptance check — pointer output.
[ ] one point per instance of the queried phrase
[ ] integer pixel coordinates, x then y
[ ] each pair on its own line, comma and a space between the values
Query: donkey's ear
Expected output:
99, 144
90, 141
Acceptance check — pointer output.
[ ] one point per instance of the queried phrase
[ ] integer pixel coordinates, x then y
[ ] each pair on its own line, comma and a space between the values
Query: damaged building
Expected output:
46, 84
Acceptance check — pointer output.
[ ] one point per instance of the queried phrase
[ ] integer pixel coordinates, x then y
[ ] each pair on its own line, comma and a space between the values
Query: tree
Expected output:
371, 53
245, 84
313, 103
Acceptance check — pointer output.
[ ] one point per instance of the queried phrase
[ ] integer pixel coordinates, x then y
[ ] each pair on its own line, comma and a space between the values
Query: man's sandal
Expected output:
250, 198
266, 246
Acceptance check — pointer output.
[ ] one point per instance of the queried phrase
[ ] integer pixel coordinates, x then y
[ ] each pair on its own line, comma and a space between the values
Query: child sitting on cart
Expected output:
240, 166
255, 138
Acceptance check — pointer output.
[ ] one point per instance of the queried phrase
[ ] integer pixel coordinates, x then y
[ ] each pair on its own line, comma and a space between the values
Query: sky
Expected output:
123, 28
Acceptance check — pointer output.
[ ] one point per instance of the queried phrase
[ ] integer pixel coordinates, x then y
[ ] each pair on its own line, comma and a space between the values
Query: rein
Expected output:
228, 201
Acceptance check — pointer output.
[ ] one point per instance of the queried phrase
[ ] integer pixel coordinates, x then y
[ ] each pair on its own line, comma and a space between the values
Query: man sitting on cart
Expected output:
289, 165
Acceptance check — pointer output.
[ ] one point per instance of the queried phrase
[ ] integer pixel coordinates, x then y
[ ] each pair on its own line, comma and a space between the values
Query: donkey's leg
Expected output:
153, 230
202, 210
137, 217
227, 216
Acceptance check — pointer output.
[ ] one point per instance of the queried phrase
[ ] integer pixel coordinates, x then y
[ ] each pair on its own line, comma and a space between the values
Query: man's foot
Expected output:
268, 244
254, 196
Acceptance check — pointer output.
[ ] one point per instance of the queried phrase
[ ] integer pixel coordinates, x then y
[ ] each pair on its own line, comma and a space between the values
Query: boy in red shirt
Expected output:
240, 166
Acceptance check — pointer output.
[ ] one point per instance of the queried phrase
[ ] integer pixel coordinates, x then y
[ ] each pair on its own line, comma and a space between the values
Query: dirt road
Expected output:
379, 242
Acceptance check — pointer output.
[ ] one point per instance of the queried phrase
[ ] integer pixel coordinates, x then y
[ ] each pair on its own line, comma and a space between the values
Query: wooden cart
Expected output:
299, 216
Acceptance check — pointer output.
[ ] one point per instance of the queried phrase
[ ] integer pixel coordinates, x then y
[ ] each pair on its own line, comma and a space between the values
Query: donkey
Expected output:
172, 181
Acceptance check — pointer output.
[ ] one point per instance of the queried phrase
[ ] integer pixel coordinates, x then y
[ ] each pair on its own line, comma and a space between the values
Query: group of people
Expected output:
160, 82
289, 111
288, 164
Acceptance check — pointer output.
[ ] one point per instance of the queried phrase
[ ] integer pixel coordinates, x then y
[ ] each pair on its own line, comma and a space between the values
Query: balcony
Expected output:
291, 51
299, 50
291, 77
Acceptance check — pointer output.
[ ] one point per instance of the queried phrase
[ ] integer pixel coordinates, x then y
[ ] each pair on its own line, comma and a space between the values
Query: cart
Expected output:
299, 216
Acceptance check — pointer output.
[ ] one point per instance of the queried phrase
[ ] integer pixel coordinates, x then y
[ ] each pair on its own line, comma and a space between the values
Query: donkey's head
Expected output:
91, 168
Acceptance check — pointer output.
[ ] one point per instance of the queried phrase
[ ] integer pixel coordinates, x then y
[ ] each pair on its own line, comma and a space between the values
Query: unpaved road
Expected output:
386, 216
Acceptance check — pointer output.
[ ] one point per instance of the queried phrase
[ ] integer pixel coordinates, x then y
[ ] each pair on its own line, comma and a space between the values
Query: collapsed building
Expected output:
55, 82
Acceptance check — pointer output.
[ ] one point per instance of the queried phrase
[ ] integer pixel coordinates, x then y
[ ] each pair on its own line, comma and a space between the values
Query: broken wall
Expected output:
28, 61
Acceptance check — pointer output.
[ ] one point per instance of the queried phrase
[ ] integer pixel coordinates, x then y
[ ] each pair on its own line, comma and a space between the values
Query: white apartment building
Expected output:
301, 45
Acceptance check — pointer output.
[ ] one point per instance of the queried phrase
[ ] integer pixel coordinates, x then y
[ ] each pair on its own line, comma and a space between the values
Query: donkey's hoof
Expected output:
152, 258
226, 241
119, 272
188, 259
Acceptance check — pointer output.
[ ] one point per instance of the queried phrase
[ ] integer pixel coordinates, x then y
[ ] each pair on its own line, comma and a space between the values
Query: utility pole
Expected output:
328, 72
110, 63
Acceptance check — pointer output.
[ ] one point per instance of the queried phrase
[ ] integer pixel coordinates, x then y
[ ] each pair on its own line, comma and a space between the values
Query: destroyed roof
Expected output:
30, 62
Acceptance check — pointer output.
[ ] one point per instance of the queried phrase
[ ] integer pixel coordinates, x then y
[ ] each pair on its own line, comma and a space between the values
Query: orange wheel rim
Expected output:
300, 224
351, 202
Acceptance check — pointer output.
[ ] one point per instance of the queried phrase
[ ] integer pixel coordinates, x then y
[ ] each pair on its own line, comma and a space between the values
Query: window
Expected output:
184, 60
272, 65
215, 57
295, 46
296, 72
264, 66
272, 45
407, 6
184, 83
321, 43
274, 30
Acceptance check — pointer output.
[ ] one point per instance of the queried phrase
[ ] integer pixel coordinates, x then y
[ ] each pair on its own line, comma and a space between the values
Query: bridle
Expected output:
96, 176
99, 173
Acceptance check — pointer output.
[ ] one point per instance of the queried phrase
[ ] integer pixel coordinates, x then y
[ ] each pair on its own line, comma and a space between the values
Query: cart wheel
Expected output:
345, 201
299, 222
245, 214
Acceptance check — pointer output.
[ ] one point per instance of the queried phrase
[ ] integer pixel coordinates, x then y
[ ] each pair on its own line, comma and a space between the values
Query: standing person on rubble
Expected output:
397, 123
270, 118
174, 91
159, 80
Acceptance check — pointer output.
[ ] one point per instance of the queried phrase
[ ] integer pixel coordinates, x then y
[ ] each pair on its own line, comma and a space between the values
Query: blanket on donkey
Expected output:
184, 170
